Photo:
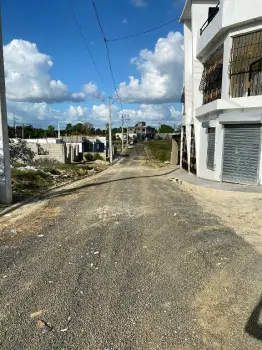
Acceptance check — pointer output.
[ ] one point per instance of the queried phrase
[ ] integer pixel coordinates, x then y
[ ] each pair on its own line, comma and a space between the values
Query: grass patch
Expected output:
160, 150
28, 183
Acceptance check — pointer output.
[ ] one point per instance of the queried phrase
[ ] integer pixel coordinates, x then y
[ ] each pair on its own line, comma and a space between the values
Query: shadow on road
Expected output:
94, 184
253, 326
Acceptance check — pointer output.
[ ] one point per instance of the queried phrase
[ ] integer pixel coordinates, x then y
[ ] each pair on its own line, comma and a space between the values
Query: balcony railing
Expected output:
214, 11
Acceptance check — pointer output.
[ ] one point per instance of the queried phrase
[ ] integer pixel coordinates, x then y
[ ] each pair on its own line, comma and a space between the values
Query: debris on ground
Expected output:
37, 313
43, 327
64, 330
40, 236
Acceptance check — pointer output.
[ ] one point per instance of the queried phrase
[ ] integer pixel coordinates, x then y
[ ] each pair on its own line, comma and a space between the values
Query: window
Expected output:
246, 65
212, 12
41, 151
211, 138
211, 82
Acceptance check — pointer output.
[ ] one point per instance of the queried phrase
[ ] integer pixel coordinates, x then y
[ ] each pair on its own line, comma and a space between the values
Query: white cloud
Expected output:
161, 73
124, 21
139, 3
154, 114
100, 113
27, 76
92, 92
42, 114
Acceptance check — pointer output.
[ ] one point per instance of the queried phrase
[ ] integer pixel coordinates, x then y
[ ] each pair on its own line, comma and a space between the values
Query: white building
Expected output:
222, 116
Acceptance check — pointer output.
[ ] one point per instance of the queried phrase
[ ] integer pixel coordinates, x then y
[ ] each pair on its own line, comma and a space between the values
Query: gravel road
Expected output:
128, 261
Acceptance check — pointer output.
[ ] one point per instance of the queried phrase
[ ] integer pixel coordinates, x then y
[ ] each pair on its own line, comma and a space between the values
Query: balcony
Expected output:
213, 11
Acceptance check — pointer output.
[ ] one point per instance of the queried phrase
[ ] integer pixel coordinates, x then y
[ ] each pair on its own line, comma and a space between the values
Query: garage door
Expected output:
241, 154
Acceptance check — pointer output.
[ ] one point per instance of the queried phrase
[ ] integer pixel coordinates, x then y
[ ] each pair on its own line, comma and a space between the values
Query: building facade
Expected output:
222, 97
140, 132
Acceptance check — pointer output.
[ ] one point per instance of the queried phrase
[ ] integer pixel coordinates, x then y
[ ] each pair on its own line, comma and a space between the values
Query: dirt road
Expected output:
127, 262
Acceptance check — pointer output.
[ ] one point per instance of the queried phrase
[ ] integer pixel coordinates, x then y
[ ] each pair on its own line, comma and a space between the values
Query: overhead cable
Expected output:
107, 51
144, 32
85, 42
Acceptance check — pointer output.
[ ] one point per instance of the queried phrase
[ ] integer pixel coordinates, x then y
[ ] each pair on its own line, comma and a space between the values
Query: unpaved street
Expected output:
128, 261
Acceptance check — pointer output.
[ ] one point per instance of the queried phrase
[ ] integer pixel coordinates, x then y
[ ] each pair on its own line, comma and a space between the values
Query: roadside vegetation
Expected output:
31, 177
160, 150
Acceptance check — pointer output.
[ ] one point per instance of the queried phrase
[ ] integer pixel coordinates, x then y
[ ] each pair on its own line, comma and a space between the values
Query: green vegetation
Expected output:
160, 149
90, 157
32, 180
165, 129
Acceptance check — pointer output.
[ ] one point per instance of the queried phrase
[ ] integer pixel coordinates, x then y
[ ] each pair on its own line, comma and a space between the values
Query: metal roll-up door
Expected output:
211, 140
241, 154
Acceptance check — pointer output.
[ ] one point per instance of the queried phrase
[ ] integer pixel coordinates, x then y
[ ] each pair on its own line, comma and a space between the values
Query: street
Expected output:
128, 261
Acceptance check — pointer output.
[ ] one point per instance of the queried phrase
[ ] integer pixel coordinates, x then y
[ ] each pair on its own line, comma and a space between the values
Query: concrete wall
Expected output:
52, 150
232, 13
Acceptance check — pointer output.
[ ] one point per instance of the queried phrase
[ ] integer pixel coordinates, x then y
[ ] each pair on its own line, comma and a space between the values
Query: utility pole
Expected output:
14, 125
5, 169
58, 129
122, 132
110, 131
127, 119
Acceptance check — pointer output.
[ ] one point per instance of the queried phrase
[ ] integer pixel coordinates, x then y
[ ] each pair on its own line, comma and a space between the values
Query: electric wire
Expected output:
85, 42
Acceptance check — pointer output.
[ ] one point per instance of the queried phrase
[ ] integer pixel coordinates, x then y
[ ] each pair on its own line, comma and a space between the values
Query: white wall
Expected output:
203, 172
188, 78
236, 11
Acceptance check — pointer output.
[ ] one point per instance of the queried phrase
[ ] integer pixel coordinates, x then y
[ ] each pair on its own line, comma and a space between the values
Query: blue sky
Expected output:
51, 26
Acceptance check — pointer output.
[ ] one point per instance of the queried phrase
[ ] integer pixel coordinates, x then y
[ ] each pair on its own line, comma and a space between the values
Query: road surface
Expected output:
128, 261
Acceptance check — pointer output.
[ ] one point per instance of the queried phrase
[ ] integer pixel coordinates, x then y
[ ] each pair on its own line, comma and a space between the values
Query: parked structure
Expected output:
68, 149
222, 102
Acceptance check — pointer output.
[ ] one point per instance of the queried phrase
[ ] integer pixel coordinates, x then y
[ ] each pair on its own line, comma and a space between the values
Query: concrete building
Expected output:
140, 131
222, 98
68, 149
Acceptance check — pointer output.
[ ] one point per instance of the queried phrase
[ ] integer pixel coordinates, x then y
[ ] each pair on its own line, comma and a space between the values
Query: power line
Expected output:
144, 32
107, 51
85, 42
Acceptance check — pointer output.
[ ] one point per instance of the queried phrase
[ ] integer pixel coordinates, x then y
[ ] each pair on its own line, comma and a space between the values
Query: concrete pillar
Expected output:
174, 153
5, 171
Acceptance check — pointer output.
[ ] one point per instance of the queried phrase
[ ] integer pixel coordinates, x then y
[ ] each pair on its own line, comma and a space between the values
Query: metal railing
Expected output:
210, 18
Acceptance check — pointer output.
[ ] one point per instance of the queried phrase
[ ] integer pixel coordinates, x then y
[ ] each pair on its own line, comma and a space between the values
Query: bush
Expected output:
160, 149
89, 157
20, 152
97, 156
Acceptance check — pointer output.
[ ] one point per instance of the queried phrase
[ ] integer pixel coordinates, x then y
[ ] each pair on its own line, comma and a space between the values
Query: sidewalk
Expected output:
190, 181
238, 206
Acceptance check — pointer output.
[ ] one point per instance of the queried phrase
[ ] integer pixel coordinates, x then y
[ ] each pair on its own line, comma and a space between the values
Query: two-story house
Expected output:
222, 98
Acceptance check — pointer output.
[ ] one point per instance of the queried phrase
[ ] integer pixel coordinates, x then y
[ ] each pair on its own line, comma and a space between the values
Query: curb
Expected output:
211, 192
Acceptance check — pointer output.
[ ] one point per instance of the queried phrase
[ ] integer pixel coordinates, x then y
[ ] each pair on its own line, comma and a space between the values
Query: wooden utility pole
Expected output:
5, 170
110, 131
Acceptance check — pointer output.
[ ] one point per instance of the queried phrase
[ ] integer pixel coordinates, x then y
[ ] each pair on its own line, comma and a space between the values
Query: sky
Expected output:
51, 78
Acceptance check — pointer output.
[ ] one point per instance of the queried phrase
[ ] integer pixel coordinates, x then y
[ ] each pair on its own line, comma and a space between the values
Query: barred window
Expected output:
211, 82
246, 65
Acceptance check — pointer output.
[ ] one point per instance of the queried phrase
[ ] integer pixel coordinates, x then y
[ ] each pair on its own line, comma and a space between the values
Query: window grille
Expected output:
211, 82
246, 65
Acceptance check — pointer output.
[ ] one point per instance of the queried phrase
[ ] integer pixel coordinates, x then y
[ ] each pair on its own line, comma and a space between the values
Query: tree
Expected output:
50, 131
68, 129
165, 129
88, 128
20, 152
